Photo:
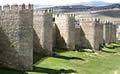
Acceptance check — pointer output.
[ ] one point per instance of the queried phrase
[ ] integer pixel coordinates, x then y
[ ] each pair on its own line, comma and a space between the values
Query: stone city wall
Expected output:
91, 33
108, 32
78, 34
114, 31
43, 29
65, 36
21, 32
16, 37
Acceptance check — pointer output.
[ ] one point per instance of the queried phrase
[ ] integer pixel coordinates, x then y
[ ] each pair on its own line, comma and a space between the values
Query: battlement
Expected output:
89, 19
15, 6
106, 22
114, 23
43, 11
61, 15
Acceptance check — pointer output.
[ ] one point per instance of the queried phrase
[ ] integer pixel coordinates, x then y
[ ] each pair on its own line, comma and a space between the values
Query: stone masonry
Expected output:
23, 32
109, 32
78, 34
54, 35
43, 28
91, 35
65, 36
113, 32
107, 29
16, 37
117, 30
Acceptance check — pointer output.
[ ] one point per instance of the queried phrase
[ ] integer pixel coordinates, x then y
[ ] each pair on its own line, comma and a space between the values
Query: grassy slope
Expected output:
101, 62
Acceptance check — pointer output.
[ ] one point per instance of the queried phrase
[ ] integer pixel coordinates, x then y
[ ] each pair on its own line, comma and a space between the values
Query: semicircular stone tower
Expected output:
65, 36
16, 37
43, 41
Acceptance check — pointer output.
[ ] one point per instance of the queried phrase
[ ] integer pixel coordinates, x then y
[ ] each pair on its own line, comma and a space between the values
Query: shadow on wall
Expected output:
36, 43
38, 58
10, 71
8, 51
40, 45
4, 45
99, 40
85, 43
4, 42
60, 42
54, 34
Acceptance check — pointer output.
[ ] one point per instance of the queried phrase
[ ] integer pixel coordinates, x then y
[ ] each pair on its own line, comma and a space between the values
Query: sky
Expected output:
51, 2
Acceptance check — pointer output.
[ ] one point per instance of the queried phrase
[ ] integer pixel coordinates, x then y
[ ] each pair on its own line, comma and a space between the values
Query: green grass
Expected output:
106, 61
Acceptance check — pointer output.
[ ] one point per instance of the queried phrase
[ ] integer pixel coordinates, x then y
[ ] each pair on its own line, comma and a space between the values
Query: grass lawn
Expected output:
74, 62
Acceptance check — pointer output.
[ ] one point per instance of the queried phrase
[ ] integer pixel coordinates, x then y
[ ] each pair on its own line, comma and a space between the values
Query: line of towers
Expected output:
24, 31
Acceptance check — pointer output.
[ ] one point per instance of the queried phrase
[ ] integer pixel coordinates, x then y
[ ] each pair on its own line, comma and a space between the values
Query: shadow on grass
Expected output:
65, 57
108, 51
52, 71
113, 47
60, 50
37, 57
69, 58
10, 71
80, 50
83, 50
110, 47
117, 42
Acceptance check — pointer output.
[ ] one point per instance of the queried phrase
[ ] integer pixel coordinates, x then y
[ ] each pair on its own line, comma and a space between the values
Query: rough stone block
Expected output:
43, 32
16, 38
65, 36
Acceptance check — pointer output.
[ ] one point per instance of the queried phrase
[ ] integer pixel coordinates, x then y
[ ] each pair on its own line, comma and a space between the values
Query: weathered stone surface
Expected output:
109, 34
65, 37
114, 31
106, 34
17, 30
43, 29
54, 35
117, 31
16, 38
78, 34
91, 35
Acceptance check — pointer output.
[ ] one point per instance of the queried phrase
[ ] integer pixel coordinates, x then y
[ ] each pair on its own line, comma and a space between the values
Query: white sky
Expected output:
51, 2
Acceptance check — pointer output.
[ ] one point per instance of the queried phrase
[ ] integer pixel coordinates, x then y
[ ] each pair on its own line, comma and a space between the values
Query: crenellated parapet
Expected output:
6, 7
16, 7
89, 19
107, 22
44, 11
62, 15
